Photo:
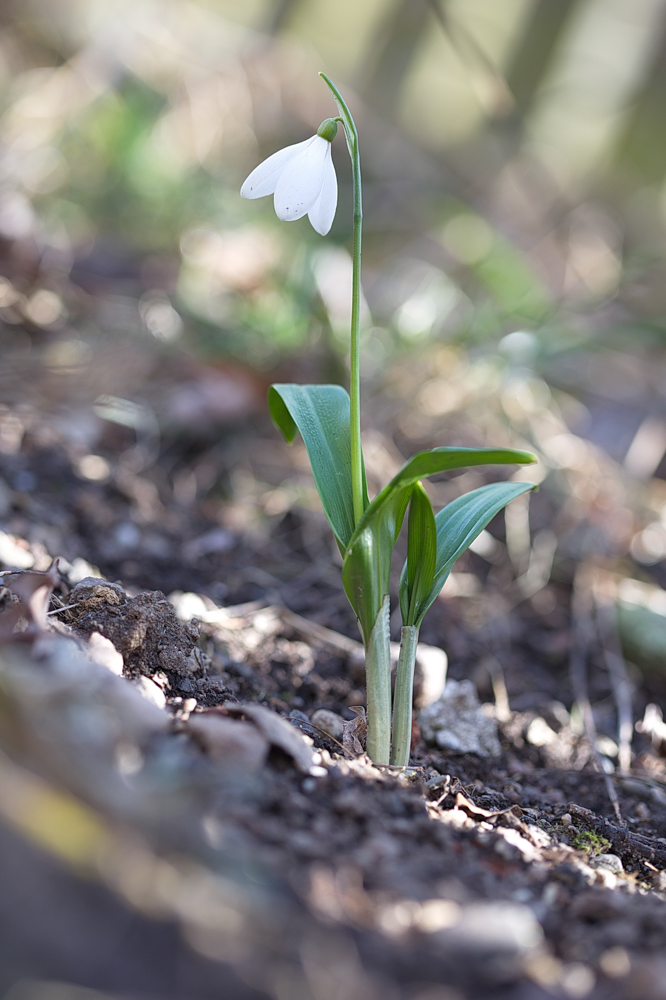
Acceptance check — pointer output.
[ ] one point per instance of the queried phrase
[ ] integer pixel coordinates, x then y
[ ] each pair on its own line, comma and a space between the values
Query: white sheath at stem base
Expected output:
378, 682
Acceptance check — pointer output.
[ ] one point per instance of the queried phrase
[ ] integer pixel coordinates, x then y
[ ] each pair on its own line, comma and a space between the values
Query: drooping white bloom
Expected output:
302, 179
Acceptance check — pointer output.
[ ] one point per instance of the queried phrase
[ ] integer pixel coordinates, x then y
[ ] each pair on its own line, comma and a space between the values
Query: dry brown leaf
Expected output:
354, 733
277, 731
231, 742
34, 591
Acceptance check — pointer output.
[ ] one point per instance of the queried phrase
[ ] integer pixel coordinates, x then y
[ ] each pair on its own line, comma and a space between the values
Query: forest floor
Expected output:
176, 823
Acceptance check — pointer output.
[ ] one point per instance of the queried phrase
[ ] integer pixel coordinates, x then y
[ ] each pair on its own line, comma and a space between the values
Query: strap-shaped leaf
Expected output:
421, 551
367, 564
457, 525
321, 414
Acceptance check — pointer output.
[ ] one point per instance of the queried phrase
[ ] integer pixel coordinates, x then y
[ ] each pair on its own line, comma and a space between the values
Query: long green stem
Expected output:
351, 135
355, 364
378, 683
402, 705
377, 646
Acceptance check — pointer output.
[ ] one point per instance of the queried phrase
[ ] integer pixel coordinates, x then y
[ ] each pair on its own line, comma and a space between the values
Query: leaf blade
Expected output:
421, 551
367, 563
321, 414
457, 525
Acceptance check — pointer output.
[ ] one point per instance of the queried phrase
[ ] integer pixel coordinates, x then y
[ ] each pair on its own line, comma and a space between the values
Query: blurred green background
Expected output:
513, 156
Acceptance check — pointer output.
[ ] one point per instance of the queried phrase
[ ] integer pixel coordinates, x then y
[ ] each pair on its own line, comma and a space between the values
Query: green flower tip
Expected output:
328, 129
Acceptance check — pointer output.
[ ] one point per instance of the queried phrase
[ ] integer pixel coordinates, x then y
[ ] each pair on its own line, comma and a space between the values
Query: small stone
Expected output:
615, 962
101, 650
456, 722
233, 743
539, 733
277, 731
188, 605
13, 554
436, 914
488, 930
610, 862
150, 691
329, 722
577, 980
431, 665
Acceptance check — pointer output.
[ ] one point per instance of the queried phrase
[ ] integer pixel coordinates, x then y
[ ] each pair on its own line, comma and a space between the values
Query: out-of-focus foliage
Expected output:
513, 161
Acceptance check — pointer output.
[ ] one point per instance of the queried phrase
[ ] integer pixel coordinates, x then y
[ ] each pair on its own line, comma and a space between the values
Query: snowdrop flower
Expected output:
302, 179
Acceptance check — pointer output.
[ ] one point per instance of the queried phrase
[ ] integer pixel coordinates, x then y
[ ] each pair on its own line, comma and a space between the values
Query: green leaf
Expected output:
457, 525
321, 414
421, 551
367, 563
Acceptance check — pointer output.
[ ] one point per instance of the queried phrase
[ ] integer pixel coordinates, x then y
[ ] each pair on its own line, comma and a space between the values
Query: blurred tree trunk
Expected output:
278, 15
534, 53
641, 149
393, 53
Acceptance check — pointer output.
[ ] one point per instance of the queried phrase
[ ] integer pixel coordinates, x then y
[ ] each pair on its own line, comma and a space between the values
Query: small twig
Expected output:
654, 781
332, 739
500, 693
583, 636
56, 611
320, 634
604, 596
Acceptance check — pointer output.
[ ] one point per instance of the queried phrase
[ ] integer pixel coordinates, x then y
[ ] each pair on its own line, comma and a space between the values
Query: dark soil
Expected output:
217, 854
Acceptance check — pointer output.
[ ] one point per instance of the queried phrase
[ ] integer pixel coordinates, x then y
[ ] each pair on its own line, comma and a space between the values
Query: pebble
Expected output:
456, 722
150, 691
615, 962
329, 722
101, 650
487, 930
577, 980
539, 733
610, 862
231, 742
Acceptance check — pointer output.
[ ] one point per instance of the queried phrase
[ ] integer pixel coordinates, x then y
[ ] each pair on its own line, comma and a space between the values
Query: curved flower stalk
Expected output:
302, 180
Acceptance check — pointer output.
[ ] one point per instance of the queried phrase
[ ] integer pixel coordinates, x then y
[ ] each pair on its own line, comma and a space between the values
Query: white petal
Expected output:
263, 179
322, 213
301, 181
